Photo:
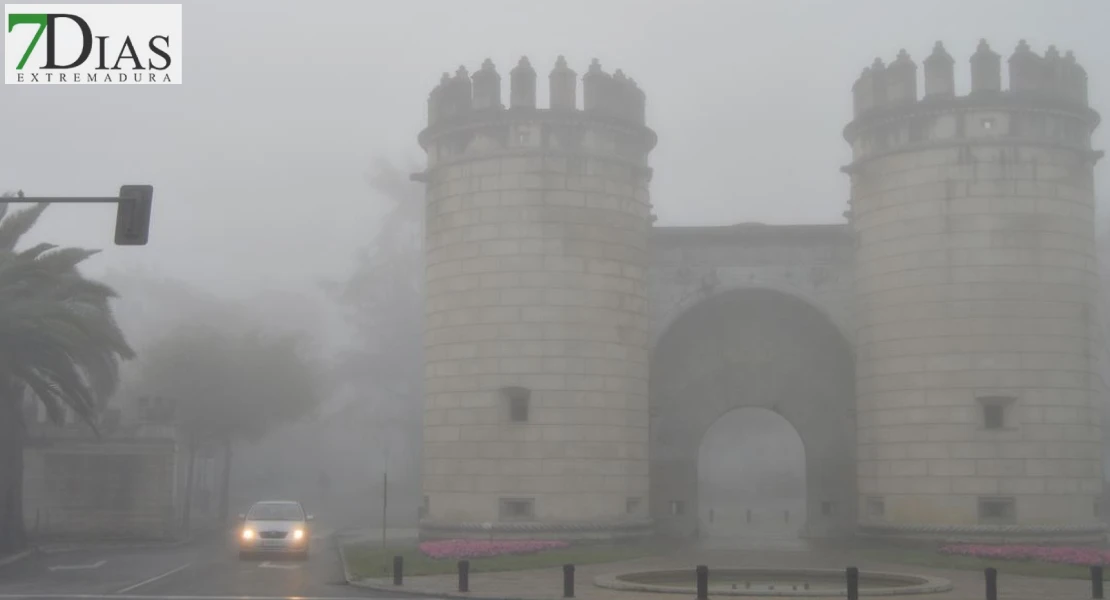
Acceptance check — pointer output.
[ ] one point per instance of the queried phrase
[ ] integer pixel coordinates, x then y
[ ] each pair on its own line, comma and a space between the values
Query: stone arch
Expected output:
677, 308
762, 348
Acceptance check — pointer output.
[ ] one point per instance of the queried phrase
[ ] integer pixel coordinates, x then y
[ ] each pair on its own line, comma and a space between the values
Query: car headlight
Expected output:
298, 534
248, 534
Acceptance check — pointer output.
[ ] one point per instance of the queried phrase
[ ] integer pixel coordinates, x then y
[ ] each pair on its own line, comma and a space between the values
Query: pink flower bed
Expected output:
485, 549
1053, 554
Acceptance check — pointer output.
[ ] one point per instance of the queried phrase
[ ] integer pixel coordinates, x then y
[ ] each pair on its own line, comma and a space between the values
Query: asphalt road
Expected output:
208, 571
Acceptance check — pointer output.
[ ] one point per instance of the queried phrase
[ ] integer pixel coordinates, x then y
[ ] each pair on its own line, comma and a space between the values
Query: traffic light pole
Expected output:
132, 212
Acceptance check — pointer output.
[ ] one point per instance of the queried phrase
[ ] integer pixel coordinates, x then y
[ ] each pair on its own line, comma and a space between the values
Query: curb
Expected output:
924, 584
400, 591
369, 584
7, 560
337, 538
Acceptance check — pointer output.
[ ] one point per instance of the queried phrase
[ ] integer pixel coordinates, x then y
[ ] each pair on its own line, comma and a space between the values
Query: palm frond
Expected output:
58, 334
47, 392
65, 259
36, 250
15, 225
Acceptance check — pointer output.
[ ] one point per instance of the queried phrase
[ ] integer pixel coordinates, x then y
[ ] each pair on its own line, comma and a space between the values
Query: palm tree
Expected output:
58, 340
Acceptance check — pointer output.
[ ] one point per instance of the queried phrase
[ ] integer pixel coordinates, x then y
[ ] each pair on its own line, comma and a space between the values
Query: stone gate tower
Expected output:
975, 268
536, 339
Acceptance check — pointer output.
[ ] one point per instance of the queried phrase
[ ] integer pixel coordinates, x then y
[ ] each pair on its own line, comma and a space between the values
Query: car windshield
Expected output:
275, 512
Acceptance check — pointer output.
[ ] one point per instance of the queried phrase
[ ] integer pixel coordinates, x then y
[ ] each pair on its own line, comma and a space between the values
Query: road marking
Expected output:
153, 579
270, 565
95, 565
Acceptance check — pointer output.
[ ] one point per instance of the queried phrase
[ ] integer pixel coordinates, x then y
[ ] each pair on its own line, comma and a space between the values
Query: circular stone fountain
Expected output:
774, 582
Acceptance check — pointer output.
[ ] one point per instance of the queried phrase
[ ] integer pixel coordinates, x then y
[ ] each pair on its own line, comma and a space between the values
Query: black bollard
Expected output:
852, 574
464, 575
568, 581
703, 582
398, 570
992, 583
1096, 582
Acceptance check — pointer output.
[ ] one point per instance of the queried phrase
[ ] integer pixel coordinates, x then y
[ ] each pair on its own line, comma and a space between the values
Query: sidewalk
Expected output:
547, 584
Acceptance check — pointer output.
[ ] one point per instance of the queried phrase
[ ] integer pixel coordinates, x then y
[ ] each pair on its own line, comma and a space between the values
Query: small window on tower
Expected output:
994, 411
876, 507
517, 399
988, 124
997, 511
517, 509
993, 417
678, 507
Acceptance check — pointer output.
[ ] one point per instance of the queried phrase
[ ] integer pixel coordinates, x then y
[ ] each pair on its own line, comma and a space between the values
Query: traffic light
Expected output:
133, 215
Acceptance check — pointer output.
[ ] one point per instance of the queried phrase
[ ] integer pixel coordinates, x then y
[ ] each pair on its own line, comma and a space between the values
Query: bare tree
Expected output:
383, 302
230, 386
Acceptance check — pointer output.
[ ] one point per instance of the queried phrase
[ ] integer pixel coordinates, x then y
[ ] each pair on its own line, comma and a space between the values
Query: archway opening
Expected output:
763, 350
751, 476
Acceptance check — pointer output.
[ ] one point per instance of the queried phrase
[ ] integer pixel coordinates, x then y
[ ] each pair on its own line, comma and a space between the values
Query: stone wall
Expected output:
99, 490
810, 262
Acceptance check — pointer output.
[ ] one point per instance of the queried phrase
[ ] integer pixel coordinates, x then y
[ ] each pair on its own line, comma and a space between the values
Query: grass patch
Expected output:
373, 561
933, 559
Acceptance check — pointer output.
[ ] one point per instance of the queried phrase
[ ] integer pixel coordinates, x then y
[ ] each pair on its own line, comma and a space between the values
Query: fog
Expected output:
262, 161
751, 475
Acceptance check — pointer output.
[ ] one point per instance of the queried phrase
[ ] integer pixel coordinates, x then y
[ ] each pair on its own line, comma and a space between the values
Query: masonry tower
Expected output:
976, 286
536, 336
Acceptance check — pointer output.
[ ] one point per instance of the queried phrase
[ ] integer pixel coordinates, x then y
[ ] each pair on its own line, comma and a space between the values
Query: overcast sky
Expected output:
259, 157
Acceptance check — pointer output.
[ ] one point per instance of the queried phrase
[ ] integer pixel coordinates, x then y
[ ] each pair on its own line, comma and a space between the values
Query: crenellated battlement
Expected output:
467, 118
612, 95
1045, 78
1045, 103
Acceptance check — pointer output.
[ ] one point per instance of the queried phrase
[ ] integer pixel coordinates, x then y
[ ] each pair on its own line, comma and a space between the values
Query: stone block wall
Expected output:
101, 491
810, 262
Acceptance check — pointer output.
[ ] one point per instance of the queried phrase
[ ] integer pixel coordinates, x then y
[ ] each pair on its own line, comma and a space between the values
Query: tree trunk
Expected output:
225, 486
13, 537
188, 506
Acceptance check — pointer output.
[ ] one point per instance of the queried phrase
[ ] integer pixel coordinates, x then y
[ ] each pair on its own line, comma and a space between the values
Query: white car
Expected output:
278, 526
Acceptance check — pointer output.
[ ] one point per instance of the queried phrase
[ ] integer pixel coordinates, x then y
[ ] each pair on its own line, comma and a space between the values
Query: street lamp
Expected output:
132, 210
